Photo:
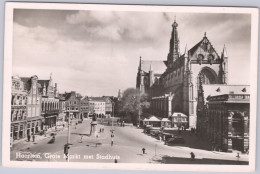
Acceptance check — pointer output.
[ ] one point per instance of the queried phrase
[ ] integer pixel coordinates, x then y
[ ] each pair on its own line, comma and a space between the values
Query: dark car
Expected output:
175, 140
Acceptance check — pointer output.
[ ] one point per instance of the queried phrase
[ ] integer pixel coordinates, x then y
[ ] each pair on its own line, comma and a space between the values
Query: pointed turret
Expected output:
174, 44
151, 76
140, 64
224, 52
151, 68
186, 52
224, 57
119, 95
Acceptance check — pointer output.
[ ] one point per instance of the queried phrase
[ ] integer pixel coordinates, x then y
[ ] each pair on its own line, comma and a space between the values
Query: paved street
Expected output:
127, 148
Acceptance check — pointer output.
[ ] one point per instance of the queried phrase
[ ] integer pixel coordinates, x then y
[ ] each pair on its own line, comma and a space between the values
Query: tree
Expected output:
132, 104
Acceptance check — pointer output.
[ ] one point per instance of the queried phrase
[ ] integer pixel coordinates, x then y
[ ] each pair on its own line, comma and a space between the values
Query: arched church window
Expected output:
206, 77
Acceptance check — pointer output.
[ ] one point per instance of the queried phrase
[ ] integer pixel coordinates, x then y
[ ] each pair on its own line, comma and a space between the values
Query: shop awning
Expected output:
153, 118
178, 114
165, 120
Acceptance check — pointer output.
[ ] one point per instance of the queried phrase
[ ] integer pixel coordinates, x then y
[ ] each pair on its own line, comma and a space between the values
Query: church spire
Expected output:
186, 52
119, 95
174, 43
140, 64
151, 68
224, 52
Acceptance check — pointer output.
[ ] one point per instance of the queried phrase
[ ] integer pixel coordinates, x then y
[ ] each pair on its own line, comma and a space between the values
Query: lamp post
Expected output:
67, 146
112, 114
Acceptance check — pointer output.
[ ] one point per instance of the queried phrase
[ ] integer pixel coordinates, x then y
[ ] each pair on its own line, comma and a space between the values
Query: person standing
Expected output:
112, 139
33, 137
143, 149
192, 155
29, 138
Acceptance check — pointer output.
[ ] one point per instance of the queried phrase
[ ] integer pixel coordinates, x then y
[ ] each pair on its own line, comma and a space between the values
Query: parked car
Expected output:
175, 140
166, 136
52, 140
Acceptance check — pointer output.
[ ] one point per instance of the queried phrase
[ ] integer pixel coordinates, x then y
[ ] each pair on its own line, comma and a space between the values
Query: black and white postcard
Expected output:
130, 87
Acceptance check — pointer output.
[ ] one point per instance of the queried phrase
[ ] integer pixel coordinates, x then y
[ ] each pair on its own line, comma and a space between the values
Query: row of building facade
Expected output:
195, 84
37, 105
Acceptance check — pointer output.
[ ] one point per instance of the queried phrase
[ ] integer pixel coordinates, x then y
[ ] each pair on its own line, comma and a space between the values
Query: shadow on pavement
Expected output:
81, 134
179, 160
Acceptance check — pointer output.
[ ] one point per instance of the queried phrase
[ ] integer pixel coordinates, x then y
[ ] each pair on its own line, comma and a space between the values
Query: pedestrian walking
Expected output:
76, 125
28, 137
100, 130
33, 137
192, 155
238, 156
81, 139
112, 139
115, 160
143, 149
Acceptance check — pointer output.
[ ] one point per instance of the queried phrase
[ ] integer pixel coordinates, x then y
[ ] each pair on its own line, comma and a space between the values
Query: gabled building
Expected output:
34, 119
18, 109
62, 108
97, 106
109, 105
84, 107
50, 102
72, 104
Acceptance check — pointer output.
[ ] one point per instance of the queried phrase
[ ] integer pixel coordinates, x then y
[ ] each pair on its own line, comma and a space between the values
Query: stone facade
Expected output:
84, 107
148, 74
62, 108
108, 106
18, 109
180, 77
72, 105
97, 106
34, 98
223, 116
50, 102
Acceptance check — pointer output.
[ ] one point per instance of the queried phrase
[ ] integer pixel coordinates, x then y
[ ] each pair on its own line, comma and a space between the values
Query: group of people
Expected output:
29, 137
101, 129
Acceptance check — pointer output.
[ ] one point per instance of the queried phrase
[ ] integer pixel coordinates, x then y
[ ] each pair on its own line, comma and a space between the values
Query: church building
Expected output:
173, 87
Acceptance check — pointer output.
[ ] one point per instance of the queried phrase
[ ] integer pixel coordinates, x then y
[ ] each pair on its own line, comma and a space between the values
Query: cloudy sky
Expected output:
97, 53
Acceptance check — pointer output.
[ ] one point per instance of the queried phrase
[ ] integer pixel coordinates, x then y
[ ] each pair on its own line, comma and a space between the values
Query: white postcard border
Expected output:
145, 8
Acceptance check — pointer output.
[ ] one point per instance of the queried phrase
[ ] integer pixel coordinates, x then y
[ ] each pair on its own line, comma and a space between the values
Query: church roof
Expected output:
158, 67
195, 47
221, 89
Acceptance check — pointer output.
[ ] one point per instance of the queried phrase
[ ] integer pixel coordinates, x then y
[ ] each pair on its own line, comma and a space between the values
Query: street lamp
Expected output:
137, 98
67, 146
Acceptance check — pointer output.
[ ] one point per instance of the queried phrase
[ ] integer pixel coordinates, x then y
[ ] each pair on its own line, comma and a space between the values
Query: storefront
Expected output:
179, 120
34, 125
50, 121
18, 130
